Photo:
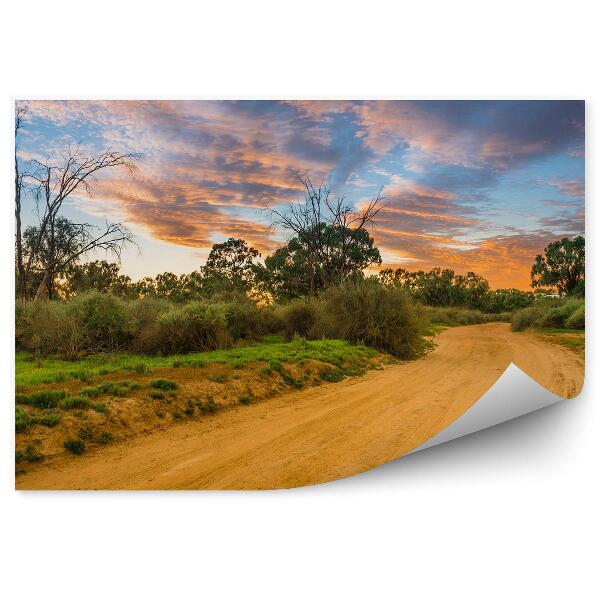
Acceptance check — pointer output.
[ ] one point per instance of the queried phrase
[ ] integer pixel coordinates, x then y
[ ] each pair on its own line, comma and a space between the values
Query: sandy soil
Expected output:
323, 433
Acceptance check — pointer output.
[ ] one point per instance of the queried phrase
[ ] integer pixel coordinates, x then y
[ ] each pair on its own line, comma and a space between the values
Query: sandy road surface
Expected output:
323, 433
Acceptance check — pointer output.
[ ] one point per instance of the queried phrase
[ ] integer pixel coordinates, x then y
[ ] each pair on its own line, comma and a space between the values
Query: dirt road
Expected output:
323, 433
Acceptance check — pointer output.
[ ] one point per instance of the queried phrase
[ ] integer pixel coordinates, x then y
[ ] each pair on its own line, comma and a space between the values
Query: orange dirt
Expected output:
323, 433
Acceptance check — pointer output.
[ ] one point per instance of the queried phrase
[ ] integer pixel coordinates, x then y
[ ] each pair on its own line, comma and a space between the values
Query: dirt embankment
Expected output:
323, 433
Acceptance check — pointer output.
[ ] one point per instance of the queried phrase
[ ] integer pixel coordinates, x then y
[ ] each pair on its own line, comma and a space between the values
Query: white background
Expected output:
507, 513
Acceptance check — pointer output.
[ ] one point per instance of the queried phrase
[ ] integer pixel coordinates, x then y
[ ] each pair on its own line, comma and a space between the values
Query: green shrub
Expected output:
551, 312
189, 409
526, 317
103, 319
297, 317
381, 317
163, 384
247, 321
195, 326
105, 437
74, 402
49, 420
453, 315
144, 316
85, 433
245, 399
156, 395
22, 420
75, 446
577, 319
41, 399
559, 315
110, 388
99, 407
331, 375
209, 407
32, 454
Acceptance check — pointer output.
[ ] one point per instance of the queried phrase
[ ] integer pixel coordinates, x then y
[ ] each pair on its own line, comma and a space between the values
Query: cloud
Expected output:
208, 166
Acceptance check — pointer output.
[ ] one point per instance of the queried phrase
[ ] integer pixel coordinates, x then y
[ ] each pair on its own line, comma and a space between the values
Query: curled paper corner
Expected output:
514, 394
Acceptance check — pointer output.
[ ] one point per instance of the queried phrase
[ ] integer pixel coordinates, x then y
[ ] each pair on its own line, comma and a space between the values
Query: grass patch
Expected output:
245, 399
74, 402
110, 388
156, 395
32, 454
41, 399
273, 350
331, 375
49, 420
163, 384
22, 420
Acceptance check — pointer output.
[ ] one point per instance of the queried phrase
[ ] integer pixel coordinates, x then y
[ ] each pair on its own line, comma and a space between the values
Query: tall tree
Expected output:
58, 250
329, 234
231, 263
52, 184
562, 266
20, 113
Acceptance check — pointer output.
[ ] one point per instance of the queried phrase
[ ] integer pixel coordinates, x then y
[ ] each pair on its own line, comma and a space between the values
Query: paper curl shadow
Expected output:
514, 394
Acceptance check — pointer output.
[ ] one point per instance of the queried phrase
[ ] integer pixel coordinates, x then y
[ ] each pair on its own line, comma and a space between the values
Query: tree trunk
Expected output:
43, 287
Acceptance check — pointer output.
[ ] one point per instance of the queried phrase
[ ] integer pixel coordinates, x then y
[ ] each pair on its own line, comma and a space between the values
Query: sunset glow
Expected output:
472, 185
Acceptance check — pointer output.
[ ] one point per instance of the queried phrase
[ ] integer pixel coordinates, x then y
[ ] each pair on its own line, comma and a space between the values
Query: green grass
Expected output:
110, 388
163, 384
74, 402
42, 399
272, 350
436, 328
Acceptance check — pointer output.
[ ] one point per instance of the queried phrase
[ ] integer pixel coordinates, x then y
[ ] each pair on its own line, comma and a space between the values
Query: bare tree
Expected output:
329, 228
52, 184
20, 113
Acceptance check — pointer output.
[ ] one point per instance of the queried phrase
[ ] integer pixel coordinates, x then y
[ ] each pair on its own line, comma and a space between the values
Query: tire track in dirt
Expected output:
323, 433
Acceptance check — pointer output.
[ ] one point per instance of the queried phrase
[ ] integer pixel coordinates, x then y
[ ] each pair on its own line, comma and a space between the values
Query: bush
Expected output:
144, 316
196, 326
462, 316
577, 319
552, 313
32, 454
527, 317
247, 321
75, 446
381, 317
559, 315
22, 420
298, 317
163, 384
105, 437
49, 420
103, 319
